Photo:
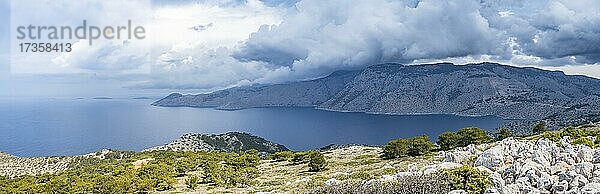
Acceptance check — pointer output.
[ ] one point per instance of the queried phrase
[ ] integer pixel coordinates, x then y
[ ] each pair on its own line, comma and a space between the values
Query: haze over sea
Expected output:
48, 127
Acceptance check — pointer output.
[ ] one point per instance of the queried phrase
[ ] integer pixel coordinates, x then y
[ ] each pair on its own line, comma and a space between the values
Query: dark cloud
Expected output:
320, 36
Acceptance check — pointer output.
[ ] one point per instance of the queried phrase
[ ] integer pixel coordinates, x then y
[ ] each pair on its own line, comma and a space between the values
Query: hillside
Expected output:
552, 162
297, 94
527, 94
229, 142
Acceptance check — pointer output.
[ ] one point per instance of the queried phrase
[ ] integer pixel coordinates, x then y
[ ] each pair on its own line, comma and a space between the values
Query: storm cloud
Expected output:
210, 44
320, 36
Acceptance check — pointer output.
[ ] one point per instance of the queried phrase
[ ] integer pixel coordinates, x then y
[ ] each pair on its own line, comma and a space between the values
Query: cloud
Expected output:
321, 36
207, 44
550, 29
324, 36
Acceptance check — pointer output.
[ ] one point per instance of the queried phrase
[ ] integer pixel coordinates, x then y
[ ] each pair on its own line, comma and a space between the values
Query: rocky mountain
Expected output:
298, 94
474, 89
231, 142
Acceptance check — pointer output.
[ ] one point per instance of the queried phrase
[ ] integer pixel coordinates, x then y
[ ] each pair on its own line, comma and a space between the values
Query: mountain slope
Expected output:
298, 94
229, 142
473, 89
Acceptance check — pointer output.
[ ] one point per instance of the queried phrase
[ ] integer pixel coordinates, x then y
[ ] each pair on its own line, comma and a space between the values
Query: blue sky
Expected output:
204, 45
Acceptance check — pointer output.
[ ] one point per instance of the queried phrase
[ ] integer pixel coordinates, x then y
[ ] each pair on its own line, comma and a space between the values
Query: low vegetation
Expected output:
354, 169
141, 172
430, 183
580, 136
462, 138
468, 179
415, 146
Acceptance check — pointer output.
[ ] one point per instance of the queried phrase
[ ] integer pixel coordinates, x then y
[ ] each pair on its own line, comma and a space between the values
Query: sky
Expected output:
193, 46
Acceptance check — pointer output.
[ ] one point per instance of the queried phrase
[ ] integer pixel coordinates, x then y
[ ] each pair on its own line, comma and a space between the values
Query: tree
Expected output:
415, 146
283, 156
418, 146
539, 127
503, 133
472, 135
395, 149
448, 140
316, 161
462, 138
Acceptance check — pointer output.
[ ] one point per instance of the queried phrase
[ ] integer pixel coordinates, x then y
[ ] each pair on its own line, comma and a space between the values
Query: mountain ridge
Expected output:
481, 89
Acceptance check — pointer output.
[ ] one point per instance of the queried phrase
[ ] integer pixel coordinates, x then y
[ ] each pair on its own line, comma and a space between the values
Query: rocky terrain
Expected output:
524, 94
533, 164
232, 142
12, 166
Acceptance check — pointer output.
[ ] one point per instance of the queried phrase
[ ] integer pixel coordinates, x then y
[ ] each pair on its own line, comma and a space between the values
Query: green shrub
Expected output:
192, 182
469, 179
576, 133
552, 136
316, 161
503, 133
299, 157
117, 174
395, 149
361, 175
472, 135
448, 140
283, 156
420, 145
539, 127
415, 146
584, 141
462, 138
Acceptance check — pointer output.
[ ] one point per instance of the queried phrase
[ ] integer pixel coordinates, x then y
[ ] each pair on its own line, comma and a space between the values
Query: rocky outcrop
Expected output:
228, 142
541, 166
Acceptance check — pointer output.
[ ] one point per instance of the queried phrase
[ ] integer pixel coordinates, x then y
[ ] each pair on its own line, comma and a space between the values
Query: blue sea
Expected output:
51, 127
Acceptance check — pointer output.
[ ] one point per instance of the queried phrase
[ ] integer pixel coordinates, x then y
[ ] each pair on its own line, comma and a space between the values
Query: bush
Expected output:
316, 161
120, 176
448, 140
418, 146
462, 138
472, 135
415, 146
503, 133
584, 141
539, 127
283, 156
468, 178
192, 182
576, 133
299, 157
551, 136
395, 149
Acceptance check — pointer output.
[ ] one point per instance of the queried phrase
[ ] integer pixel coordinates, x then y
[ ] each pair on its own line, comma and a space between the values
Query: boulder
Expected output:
585, 168
560, 186
591, 188
492, 158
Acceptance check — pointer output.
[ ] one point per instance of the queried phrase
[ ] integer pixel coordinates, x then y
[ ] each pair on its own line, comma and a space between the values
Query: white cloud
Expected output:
244, 42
